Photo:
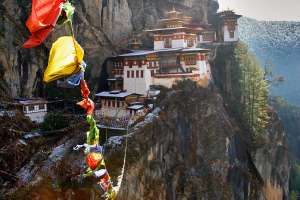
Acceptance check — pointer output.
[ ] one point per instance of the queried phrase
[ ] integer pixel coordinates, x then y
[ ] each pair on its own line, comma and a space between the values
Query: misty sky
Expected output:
265, 9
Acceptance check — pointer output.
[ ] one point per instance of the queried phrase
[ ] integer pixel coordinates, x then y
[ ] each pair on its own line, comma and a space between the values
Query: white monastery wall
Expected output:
179, 43
139, 79
158, 45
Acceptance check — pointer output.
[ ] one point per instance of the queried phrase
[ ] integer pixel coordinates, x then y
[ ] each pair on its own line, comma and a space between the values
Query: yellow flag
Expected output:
64, 59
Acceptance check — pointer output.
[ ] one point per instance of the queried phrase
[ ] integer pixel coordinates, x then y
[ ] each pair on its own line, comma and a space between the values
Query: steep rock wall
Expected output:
193, 150
269, 152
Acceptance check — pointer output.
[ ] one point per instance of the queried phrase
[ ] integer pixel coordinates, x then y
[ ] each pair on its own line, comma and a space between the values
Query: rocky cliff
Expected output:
102, 27
268, 152
189, 148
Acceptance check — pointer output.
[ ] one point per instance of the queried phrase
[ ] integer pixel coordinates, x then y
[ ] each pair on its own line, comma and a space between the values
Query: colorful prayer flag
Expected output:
64, 60
43, 18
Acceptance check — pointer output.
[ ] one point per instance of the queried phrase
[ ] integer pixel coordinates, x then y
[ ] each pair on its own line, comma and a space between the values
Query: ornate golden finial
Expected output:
135, 42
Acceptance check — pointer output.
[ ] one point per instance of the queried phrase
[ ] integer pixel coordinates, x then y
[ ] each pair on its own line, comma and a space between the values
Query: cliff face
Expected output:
102, 27
268, 152
191, 151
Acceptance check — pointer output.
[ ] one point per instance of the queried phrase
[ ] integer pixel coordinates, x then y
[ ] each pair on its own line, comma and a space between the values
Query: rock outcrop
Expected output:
268, 152
190, 148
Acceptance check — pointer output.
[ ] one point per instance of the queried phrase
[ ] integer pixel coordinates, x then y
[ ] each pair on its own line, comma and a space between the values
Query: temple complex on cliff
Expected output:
178, 53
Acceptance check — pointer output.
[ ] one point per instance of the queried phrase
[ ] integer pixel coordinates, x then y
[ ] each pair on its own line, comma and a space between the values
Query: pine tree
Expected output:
252, 91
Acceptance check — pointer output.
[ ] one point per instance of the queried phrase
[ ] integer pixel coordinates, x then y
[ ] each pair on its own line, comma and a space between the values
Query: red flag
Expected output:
43, 18
88, 105
93, 160
85, 92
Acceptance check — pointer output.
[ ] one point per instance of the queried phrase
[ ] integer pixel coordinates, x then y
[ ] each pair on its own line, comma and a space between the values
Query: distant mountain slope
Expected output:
278, 42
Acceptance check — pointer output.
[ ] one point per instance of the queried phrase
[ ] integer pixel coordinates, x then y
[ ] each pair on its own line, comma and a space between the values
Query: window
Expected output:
168, 43
132, 74
41, 106
31, 108
150, 64
190, 43
152, 73
142, 74
108, 103
231, 34
118, 104
113, 103
137, 74
128, 74
190, 60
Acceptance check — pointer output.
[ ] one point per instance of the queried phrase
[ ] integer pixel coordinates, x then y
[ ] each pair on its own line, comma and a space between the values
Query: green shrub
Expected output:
293, 195
295, 179
54, 121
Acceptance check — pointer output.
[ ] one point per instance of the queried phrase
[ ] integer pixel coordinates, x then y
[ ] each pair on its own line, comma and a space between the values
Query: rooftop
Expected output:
228, 13
137, 53
147, 52
114, 94
32, 101
175, 28
135, 107
182, 50
194, 49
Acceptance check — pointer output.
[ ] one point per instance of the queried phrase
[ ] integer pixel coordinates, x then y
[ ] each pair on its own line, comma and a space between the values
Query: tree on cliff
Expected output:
251, 91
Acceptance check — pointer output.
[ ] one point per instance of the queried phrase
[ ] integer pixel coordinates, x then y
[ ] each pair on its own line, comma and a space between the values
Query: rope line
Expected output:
116, 189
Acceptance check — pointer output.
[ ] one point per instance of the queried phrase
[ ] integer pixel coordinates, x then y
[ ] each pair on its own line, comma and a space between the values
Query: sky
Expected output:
278, 10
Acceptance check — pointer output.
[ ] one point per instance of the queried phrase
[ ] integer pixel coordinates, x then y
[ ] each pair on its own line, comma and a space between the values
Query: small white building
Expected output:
35, 109
228, 26
114, 109
136, 108
113, 104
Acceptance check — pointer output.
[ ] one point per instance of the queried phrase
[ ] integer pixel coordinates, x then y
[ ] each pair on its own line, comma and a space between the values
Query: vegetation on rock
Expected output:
295, 181
244, 86
290, 117
54, 121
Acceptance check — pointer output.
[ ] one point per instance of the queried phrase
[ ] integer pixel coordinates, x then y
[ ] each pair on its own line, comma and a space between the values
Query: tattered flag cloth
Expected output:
43, 18
85, 91
74, 80
93, 160
93, 133
86, 103
64, 60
